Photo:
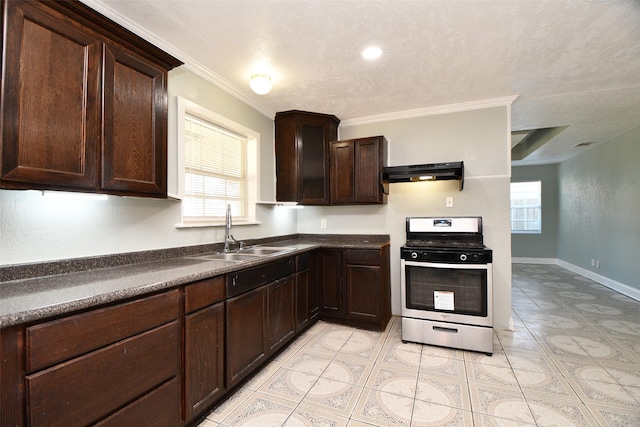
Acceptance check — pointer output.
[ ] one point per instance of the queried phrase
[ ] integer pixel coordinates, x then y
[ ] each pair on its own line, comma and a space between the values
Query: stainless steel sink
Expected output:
229, 256
245, 254
263, 250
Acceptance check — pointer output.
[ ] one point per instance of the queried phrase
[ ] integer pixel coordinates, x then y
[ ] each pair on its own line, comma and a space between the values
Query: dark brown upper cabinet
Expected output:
84, 103
302, 156
356, 171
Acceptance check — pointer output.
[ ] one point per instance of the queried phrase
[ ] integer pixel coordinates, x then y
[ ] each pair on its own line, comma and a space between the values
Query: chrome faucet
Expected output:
229, 241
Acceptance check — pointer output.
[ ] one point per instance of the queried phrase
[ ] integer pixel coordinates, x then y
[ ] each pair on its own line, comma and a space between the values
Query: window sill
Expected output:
215, 224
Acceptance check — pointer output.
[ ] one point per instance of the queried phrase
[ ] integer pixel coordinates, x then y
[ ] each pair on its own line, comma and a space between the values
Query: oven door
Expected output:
457, 293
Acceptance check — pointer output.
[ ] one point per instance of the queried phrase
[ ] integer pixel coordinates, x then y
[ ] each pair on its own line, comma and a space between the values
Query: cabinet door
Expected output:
303, 311
368, 169
50, 101
203, 358
313, 136
287, 162
364, 292
302, 156
332, 295
314, 284
342, 172
246, 333
134, 148
281, 312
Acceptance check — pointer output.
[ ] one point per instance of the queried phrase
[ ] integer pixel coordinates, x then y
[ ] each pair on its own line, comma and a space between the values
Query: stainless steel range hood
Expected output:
427, 172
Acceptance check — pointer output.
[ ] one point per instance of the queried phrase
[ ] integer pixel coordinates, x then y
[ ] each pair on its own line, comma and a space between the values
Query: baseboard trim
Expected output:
525, 260
627, 290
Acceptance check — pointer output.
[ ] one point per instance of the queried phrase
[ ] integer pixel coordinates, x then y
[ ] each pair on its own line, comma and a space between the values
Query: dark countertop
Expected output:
30, 292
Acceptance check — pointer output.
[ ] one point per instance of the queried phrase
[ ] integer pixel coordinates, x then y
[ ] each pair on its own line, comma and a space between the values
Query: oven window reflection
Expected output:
460, 291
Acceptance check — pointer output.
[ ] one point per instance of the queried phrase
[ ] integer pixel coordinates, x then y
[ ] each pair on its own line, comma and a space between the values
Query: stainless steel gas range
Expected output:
446, 284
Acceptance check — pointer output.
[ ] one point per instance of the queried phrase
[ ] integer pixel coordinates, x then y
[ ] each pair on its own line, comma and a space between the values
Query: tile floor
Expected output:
573, 360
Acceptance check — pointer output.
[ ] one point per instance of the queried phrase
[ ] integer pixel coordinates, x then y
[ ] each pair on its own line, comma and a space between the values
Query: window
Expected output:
526, 207
217, 165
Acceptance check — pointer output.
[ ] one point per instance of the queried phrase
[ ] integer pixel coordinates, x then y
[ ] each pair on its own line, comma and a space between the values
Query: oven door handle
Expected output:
442, 329
453, 266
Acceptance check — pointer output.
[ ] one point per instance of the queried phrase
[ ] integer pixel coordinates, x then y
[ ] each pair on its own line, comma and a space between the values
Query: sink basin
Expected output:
245, 254
263, 250
228, 256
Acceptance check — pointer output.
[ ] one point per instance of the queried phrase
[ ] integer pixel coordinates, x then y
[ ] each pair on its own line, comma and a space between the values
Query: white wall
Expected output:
480, 138
34, 228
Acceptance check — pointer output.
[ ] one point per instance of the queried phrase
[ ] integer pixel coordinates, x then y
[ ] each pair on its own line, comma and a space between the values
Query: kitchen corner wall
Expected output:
34, 228
481, 139
599, 192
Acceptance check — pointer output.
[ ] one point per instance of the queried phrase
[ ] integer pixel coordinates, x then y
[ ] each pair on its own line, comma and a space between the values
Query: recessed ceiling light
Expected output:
372, 53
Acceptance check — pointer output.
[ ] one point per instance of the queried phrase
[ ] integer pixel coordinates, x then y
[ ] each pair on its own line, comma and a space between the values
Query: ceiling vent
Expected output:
582, 144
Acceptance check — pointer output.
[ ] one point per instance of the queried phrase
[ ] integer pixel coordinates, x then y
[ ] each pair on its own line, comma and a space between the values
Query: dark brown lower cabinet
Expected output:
258, 323
303, 313
87, 388
332, 305
314, 284
246, 325
111, 365
166, 359
356, 287
203, 345
281, 325
204, 358
307, 298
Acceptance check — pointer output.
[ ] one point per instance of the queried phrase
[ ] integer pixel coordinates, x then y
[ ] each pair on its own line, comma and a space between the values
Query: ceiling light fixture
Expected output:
260, 84
372, 53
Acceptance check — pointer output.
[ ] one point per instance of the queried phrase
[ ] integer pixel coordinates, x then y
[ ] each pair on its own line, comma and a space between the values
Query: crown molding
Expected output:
189, 63
430, 111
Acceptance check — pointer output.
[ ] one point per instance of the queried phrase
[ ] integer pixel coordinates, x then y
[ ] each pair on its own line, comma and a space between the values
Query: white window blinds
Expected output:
215, 162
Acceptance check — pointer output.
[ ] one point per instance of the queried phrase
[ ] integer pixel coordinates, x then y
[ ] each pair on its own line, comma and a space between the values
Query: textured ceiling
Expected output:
570, 63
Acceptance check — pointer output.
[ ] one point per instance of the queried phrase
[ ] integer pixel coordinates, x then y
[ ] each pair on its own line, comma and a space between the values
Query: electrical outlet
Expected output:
323, 223
597, 263
449, 202
593, 262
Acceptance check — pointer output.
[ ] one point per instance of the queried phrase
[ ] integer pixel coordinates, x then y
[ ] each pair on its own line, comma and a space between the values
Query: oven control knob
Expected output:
414, 255
463, 257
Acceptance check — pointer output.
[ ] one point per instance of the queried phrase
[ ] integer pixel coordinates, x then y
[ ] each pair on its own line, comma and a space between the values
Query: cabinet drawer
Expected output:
252, 278
158, 409
203, 293
363, 256
62, 339
302, 262
87, 388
